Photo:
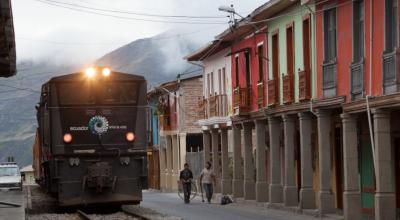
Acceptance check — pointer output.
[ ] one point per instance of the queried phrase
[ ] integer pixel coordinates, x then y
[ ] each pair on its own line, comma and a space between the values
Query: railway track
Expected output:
124, 214
83, 215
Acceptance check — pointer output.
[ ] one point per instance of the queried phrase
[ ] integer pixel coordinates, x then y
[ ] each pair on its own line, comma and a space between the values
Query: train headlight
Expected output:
106, 72
130, 136
90, 72
67, 138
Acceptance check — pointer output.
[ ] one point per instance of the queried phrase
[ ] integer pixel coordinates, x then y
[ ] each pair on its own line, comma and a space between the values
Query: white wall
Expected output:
211, 65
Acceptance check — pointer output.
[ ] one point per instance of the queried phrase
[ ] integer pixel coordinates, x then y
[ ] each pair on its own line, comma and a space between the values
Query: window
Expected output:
212, 83
358, 30
208, 84
237, 70
219, 82
330, 35
260, 53
247, 60
290, 50
223, 81
390, 25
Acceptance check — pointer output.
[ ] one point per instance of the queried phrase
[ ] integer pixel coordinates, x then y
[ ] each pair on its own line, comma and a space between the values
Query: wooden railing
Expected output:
357, 79
214, 106
304, 85
242, 100
260, 92
329, 79
390, 62
272, 93
288, 91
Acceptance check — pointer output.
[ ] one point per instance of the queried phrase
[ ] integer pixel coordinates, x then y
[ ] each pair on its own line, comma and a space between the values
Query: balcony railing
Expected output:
288, 88
390, 62
242, 100
304, 85
273, 95
165, 122
214, 106
357, 79
329, 79
260, 92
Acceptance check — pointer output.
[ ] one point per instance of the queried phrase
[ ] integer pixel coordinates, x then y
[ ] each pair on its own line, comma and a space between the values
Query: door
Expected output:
397, 170
367, 176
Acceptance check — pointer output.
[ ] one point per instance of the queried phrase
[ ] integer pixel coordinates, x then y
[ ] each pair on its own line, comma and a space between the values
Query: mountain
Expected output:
158, 58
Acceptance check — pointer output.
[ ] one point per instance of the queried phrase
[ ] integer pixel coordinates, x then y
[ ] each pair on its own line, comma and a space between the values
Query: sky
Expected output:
58, 34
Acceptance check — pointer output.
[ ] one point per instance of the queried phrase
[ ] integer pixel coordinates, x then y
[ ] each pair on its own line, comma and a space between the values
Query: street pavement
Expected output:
171, 204
8, 212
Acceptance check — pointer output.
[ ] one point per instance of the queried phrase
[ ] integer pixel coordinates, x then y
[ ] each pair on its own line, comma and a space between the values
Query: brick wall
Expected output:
190, 91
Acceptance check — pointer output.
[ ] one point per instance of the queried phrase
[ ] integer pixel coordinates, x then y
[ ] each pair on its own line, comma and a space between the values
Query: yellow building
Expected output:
27, 175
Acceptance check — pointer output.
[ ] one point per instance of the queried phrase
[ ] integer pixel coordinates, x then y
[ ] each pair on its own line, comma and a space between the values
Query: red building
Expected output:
249, 73
358, 77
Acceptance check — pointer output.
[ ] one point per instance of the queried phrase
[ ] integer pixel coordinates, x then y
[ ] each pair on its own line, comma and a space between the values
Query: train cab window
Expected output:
74, 93
118, 93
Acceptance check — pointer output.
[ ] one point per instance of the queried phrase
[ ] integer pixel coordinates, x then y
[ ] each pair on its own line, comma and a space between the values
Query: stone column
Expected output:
169, 163
307, 195
249, 184
275, 186
385, 196
226, 182
237, 183
215, 159
163, 181
182, 150
326, 199
206, 146
261, 182
290, 194
175, 162
351, 194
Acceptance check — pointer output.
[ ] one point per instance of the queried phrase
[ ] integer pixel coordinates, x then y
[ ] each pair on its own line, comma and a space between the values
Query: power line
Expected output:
135, 13
128, 18
20, 88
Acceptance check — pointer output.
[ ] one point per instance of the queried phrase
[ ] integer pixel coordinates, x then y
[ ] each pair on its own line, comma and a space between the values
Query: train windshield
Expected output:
108, 93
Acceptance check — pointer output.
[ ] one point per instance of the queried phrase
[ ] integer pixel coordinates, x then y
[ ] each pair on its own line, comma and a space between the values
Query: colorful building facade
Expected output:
315, 107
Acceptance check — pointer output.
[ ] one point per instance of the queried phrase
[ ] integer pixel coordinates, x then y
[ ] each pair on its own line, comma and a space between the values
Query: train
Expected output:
90, 145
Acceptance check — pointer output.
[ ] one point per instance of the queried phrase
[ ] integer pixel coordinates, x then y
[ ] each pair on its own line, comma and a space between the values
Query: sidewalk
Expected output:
9, 211
171, 204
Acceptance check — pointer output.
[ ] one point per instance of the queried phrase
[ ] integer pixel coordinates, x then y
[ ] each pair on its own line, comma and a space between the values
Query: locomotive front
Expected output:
95, 126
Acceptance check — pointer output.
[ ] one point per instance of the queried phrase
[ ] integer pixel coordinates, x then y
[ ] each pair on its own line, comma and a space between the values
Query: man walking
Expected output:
207, 179
186, 177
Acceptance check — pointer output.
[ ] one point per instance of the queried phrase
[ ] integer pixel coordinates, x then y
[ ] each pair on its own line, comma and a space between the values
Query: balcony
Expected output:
214, 106
390, 72
273, 94
260, 92
357, 80
329, 79
165, 122
288, 89
304, 85
242, 100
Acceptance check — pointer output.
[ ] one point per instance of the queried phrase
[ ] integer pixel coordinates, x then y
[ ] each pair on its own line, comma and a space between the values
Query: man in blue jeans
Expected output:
186, 177
207, 179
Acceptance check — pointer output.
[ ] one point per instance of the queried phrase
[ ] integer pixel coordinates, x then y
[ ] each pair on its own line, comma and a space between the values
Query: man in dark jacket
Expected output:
186, 177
